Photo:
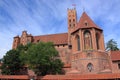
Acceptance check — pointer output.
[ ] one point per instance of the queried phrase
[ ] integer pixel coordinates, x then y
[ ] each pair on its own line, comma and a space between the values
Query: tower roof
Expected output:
86, 22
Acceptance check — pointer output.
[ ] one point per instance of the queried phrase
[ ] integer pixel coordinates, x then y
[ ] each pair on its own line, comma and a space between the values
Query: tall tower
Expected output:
16, 42
72, 20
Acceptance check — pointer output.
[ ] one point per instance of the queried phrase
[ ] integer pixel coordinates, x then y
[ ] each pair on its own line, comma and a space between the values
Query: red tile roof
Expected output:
82, 77
115, 55
55, 38
86, 19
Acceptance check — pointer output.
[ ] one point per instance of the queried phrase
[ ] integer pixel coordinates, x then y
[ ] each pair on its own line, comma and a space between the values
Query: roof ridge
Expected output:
51, 34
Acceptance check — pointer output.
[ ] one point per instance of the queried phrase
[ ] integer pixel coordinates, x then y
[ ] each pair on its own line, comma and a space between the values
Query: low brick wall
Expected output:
63, 77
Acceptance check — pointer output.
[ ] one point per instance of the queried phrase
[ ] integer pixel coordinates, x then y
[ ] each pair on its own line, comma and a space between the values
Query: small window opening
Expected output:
73, 24
73, 20
86, 24
119, 65
38, 40
70, 46
70, 20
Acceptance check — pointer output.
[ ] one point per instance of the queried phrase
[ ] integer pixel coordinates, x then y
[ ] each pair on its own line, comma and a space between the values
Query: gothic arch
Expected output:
77, 42
87, 40
97, 40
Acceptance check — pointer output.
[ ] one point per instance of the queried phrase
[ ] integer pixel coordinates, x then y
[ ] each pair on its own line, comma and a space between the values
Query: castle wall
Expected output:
115, 67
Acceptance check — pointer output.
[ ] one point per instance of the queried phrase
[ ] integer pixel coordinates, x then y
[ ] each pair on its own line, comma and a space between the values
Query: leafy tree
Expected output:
111, 45
11, 63
23, 53
42, 59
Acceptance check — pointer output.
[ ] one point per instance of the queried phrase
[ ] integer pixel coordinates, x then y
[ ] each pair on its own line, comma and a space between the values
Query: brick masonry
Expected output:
81, 49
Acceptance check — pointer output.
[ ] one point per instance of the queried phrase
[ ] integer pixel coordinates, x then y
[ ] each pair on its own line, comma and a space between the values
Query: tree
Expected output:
22, 49
111, 45
42, 59
11, 63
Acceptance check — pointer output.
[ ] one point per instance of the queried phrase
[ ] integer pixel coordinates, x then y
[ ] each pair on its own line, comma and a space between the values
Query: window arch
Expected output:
78, 42
97, 41
87, 40
90, 67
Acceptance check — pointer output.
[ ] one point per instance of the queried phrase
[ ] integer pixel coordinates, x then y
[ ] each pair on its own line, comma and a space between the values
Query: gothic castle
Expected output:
81, 49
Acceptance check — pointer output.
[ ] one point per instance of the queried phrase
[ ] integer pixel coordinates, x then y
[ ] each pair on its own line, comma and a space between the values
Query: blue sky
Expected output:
41, 17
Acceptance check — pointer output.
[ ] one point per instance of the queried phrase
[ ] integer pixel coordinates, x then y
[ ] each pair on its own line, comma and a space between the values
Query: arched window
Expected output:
90, 67
78, 42
97, 40
87, 40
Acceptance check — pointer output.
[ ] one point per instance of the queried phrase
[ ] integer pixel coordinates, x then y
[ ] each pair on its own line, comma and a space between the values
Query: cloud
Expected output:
46, 17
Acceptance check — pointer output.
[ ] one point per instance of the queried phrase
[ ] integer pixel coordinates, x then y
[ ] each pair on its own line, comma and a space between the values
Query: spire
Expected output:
86, 22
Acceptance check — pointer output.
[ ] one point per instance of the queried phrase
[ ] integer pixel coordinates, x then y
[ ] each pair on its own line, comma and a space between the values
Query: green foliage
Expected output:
111, 45
42, 59
11, 63
23, 53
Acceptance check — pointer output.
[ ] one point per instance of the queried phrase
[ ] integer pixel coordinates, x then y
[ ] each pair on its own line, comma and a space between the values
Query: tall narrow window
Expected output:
87, 40
78, 42
97, 41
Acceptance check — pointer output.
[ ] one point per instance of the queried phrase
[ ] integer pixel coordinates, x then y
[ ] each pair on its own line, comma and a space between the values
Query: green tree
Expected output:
42, 59
11, 63
22, 49
111, 45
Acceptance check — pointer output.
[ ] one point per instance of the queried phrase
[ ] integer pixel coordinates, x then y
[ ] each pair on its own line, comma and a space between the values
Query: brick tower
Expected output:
87, 42
72, 21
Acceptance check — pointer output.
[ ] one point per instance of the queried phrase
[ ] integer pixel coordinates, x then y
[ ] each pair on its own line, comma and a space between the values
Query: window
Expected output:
97, 40
87, 40
70, 25
73, 20
119, 65
38, 40
69, 20
78, 42
70, 46
74, 25
86, 24
90, 67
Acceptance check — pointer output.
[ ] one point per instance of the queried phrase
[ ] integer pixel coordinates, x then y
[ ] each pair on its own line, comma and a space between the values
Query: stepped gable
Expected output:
115, 55
55, 38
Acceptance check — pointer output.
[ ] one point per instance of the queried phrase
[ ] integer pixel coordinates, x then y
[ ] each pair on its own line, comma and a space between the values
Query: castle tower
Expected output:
88, 51
72, 20
16, 42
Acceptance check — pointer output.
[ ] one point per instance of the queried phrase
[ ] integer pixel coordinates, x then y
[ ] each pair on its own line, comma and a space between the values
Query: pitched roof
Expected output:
55, 38
115, 55
86, 19
86, 22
